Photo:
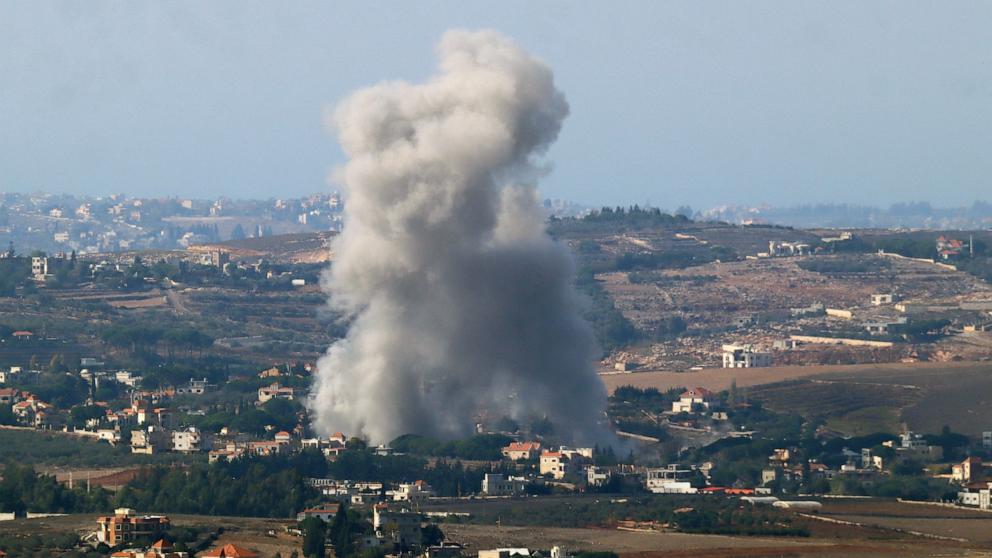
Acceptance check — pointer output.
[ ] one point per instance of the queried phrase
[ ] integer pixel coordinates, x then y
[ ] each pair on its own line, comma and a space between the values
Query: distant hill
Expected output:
291, 248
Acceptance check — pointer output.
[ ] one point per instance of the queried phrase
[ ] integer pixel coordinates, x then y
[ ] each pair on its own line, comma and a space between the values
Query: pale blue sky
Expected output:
693, 102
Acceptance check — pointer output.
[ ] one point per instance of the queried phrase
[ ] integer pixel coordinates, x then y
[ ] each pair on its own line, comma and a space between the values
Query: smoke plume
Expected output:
460, 303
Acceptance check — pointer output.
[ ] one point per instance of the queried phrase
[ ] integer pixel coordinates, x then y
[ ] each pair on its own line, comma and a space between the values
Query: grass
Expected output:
866, 421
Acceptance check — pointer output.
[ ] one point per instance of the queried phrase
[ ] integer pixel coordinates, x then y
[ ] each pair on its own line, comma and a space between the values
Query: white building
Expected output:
187, 441
127, 378
695, 399
878, 299
669, 480
416, 492
275, 390
496, 484
781, 248
556, 464
744, 356
597, 476
401, 527
505, 553
194, 387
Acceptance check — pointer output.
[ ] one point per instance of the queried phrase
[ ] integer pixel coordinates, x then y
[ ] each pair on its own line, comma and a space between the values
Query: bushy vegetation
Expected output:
482, 447
258, 487
46, 448
613, 330
22, 490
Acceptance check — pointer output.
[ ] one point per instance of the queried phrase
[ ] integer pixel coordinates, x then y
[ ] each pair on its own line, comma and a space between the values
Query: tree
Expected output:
431, 535
314, 537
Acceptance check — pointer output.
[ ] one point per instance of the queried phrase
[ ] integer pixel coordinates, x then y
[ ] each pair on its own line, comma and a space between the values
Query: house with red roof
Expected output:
230, 551
521, 450
161, 549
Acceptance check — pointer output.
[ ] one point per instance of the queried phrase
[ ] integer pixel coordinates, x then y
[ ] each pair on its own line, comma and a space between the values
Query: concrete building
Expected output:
275, 390
496, 484
745, 356
505, 553
150, 441
324, 512
598, 476
187, 441
125, 526
968, 471
556, 464
879, 299
521, 450
669, 480
415, 492
693, 400
781, 248
194, 387
401, 527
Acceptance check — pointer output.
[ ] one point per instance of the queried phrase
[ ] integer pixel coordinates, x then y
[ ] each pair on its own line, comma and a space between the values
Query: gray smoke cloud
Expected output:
461, 304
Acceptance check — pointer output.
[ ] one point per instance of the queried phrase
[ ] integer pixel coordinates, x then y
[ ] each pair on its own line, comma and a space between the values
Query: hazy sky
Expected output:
691, 102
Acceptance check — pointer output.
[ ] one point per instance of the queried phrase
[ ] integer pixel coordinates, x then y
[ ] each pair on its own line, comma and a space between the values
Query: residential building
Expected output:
324, 512
30, 411
744, 356
968, 471
127, 378
672, 479
230, 551
505, 553
496, 484
878, 299
187, 441
781, 248
151, 440
950, 248
275, 390
39, 268
415, 492
195, 387
126, 526
598, 476
522, 450
693, 400
401, 527
556, 464
161, 549
266, 448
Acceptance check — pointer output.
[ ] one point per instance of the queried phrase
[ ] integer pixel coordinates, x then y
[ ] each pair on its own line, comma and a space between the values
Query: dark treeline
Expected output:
22, 490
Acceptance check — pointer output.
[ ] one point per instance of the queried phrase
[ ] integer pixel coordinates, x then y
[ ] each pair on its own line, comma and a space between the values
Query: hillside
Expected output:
283, 248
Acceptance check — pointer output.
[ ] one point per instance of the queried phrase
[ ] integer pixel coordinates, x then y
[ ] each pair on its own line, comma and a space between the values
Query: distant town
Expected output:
764, 381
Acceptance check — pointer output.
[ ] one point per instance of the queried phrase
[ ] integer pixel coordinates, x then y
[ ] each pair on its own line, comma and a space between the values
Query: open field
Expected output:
884, 531
855, 399
244, 531
622, 542
721, 378
955, 396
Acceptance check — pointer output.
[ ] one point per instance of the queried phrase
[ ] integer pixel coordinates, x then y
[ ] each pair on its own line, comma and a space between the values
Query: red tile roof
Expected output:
230, 551
523, 446
698, 392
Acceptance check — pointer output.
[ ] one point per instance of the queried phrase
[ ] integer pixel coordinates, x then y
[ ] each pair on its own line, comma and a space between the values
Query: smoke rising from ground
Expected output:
460, 302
